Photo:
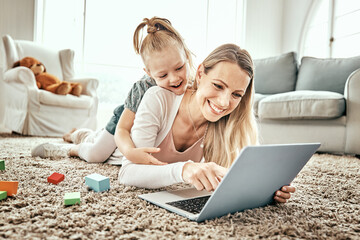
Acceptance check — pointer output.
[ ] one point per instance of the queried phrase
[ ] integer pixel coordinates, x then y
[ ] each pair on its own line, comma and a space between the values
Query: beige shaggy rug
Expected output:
326, 204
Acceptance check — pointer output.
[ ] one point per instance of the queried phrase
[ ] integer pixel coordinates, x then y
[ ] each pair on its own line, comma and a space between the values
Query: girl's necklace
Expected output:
193, 124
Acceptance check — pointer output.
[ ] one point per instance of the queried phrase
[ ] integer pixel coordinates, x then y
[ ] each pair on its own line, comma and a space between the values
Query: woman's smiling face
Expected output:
221, 89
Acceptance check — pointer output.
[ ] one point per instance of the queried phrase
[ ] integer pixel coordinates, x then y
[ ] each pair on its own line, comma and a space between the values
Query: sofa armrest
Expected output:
89, 85
352, 96
20, 75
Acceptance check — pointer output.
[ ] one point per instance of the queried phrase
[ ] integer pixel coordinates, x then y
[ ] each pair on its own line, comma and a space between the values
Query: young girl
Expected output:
212, 120
168, 63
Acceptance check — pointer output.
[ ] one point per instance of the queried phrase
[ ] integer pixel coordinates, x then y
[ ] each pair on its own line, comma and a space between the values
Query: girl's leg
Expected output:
67, 136
84, 135
98, 151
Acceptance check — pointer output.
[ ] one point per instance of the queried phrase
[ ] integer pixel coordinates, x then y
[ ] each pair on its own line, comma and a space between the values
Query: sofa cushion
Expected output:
257, 99
68, 101
325, 74
302, 105
275, 74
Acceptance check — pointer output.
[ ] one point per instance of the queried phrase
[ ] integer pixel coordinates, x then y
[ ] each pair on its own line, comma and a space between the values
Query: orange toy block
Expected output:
55, 178
10, 187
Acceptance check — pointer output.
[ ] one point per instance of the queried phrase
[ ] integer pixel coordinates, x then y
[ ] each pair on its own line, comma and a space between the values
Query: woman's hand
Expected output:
281, 196
203, 175
143, 156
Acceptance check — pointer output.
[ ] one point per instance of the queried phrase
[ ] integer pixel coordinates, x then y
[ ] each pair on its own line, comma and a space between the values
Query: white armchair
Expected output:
32, 111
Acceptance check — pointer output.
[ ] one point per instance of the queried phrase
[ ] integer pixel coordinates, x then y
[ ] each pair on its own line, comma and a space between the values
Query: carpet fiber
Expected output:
326, 204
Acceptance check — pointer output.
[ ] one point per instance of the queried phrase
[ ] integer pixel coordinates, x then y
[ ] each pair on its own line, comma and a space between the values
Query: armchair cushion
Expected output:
302, 105
67, 63
275, 74
325, 74
67, 101
10, 51
49, 57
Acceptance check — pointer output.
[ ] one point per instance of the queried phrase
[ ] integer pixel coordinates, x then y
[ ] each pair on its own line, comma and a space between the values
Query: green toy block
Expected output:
72, 198
3, 195
2, 165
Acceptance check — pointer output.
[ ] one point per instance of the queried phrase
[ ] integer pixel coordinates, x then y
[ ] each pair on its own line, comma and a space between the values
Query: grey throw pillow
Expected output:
325, 74
276, 74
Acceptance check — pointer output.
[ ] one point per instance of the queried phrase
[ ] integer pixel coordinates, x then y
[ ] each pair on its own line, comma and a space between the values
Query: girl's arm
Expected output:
126, 145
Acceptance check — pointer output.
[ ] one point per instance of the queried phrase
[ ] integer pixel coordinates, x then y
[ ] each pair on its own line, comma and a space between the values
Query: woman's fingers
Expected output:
279, 199
284, 194
207, 174
290, 189
198, 185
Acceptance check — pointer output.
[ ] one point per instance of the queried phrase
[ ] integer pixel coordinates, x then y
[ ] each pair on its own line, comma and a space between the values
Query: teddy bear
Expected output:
47, 81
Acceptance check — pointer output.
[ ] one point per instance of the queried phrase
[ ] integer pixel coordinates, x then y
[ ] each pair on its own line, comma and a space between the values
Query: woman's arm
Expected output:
150, 176
126, 145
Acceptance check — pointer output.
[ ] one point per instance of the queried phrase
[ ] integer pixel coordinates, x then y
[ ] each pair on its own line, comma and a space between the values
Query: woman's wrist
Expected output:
185, 167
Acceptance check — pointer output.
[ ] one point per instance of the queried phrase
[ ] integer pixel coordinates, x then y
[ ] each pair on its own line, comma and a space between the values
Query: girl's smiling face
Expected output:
169, 68
221, 89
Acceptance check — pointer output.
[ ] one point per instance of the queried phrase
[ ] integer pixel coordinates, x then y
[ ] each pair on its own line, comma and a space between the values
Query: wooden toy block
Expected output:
97, 182
2, 165
3, 195
72, 198
55, 178
10, 187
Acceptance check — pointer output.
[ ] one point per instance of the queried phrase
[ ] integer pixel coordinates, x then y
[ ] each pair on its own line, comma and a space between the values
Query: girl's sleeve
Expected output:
148, 119
137, 92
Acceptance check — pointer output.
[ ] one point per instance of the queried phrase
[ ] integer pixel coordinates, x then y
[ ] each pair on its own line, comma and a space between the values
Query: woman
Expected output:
212, 120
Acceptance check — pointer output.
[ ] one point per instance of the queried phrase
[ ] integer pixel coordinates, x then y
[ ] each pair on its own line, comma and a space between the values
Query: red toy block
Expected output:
10, 187
55, 178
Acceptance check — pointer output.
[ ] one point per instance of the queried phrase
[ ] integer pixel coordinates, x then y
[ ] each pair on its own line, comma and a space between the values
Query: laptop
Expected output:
256, 174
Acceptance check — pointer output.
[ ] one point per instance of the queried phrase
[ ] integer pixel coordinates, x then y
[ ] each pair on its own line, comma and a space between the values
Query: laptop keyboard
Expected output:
193, 205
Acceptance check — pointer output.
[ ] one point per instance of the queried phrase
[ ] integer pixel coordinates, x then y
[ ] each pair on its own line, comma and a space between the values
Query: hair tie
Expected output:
152, 29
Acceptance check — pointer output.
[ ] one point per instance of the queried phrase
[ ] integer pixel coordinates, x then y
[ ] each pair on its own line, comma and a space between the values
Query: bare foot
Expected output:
67, 136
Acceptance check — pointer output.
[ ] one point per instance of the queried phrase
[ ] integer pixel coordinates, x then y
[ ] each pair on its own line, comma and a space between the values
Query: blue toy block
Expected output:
2, 165
97, 182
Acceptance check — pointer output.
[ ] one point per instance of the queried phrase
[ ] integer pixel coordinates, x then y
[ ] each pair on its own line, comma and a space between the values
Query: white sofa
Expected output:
32, 111
319, 101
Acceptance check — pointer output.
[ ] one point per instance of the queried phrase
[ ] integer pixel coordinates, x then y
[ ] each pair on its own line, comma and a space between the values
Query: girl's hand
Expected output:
143, 156
203, 175
281, 196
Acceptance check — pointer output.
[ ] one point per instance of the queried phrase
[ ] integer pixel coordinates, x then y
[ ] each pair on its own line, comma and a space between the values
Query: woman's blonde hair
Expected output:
226, 137
160, 34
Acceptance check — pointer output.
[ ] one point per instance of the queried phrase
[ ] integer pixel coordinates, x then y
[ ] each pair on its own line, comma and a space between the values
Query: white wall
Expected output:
264, 27
17, 20
274, 27
295, 14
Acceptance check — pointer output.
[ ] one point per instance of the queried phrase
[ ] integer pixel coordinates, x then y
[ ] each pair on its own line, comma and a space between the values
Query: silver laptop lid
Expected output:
254, 177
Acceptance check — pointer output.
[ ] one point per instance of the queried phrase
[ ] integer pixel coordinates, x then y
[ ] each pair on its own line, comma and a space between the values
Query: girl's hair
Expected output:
226, 137
160, 34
